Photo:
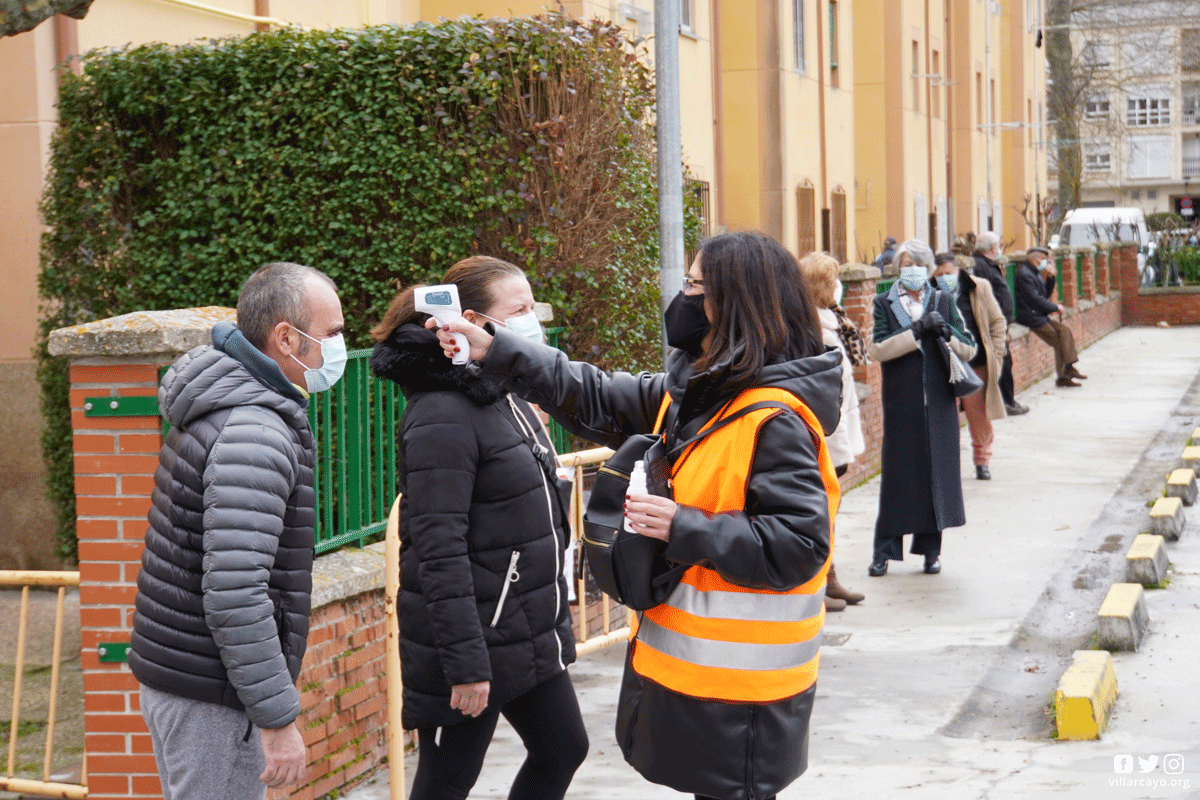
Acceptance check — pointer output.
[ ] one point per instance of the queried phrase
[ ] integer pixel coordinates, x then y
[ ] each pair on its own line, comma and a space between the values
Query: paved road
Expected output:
937, 686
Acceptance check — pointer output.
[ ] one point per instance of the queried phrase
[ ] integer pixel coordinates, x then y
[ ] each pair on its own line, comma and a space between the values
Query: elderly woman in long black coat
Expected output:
921, 491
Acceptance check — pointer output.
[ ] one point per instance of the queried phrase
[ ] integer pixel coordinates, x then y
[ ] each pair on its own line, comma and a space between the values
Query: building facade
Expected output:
827, 124
1139, 63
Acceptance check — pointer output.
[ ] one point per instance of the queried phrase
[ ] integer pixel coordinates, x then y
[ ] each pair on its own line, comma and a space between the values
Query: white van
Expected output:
1084, 226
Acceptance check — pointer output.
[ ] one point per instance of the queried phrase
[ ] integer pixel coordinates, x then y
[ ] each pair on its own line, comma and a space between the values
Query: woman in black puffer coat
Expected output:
485, 625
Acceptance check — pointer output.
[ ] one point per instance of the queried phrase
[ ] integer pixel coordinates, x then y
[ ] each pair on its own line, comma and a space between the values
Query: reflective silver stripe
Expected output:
727, 655
753, 606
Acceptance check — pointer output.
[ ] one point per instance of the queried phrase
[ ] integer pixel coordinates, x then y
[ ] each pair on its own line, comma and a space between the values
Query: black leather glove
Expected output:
930, 324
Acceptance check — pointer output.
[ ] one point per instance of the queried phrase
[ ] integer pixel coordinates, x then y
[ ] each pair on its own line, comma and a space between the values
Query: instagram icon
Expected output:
1172, 764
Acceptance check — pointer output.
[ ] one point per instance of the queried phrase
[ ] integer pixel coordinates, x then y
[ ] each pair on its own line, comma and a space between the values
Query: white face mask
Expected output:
525, 325
333, 363
837, 293
912, 278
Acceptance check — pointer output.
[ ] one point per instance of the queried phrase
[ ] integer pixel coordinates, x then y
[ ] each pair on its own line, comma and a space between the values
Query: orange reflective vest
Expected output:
713, 639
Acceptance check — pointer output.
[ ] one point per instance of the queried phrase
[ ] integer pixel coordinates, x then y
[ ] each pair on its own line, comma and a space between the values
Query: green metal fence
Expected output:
1010, 275
354, 427
1058, 271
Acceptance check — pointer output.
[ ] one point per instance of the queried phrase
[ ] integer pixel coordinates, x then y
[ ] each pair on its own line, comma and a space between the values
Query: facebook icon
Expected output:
1123, 764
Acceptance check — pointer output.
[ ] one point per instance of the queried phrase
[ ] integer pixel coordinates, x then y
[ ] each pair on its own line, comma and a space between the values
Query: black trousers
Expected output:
548, 721
1006, 381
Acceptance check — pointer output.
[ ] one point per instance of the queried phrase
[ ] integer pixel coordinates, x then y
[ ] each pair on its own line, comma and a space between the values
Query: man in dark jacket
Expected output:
1034, 307
987, 250
221, 619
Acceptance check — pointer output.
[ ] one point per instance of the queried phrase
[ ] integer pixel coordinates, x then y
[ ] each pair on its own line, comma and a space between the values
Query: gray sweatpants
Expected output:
202, 750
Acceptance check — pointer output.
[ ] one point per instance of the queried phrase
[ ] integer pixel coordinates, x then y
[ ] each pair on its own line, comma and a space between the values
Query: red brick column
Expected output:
1102, 270
1070, 282
859, 283
115, 458
1088, 289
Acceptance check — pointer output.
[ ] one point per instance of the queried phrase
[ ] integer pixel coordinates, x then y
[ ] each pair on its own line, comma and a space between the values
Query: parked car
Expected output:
1085, 226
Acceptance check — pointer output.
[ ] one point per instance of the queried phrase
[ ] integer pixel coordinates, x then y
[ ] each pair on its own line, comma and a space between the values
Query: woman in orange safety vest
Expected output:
720, 678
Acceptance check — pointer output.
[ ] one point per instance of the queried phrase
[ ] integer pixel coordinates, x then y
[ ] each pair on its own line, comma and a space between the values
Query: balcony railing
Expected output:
1191, 166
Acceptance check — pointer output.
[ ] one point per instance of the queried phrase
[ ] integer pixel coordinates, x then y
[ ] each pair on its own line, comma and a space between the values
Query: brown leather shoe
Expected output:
1067, 383
834, 588
1076, 374
834, 604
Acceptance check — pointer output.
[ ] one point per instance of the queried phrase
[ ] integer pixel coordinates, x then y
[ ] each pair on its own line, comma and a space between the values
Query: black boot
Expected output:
878, 567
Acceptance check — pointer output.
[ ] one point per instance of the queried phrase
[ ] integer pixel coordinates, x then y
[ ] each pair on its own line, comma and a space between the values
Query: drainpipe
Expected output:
987, 85
826, 222
670, 152
718, 116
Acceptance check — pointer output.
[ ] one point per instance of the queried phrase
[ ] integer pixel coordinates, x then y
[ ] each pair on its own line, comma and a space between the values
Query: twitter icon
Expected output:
1147, 764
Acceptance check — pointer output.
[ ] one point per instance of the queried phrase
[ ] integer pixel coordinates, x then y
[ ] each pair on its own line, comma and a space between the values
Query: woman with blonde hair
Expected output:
820, 271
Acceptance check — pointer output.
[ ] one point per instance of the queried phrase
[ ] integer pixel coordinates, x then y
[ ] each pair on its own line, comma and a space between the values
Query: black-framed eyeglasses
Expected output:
691, 283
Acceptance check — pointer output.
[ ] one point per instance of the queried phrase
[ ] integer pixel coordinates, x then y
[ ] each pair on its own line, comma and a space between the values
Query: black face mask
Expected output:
686, 323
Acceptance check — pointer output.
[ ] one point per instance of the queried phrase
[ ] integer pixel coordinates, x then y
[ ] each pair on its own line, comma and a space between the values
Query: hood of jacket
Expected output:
816, 380
412, 358
231, 372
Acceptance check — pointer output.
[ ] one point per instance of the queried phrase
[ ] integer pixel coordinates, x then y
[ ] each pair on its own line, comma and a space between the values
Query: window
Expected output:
1096, 107
978, 98
685, 14
916, 81
1097, 160
1191, 157
833, 43
1191, 104
1152, 194
1149, 157
798, 32
992, 100
1029, 119
837, 224
806, 219
1145, 111
1190, 50
935, 88
1143, 52
1135, 194
1097, 54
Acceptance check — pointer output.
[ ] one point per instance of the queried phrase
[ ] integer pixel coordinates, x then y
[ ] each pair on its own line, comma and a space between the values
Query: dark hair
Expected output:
474, 277
944, 258
760, 308
274, 293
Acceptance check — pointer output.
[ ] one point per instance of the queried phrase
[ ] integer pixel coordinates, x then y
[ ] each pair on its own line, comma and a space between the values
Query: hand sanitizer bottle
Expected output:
637, 485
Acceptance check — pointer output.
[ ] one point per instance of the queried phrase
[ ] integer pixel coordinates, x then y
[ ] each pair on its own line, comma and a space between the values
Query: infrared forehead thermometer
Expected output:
441, 303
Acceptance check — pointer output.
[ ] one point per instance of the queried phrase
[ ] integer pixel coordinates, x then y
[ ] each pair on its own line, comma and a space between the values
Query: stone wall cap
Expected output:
859, 272
140, 333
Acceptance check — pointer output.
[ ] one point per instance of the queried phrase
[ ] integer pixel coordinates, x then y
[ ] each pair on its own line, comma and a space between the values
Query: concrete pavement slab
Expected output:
941, 685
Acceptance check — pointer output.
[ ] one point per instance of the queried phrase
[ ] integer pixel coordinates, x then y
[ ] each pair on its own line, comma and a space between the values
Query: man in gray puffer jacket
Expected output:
221, 620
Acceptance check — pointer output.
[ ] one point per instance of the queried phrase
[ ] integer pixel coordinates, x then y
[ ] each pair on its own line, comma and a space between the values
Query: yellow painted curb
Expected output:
1085, 696
1166, 517
1146, 560
1181, 483
1191, 456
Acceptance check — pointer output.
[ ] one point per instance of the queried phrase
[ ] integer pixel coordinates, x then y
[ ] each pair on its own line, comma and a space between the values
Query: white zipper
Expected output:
510, 577
524, 423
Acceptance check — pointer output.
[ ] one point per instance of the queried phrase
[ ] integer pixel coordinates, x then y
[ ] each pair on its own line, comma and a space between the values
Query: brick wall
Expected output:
1150, 306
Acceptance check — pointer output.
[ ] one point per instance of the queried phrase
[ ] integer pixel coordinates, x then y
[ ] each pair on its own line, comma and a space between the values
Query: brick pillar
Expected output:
1070, 281
115, 458
859, 283
1088, 289
1102, 272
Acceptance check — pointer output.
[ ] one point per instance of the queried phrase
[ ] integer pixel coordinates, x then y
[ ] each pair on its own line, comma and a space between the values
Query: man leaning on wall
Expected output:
987, 250
221, 620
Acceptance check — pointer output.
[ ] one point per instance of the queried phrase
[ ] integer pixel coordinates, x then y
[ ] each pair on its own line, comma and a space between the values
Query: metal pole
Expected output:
670, 152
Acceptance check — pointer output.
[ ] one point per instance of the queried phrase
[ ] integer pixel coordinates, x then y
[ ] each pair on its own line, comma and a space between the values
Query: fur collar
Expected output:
412, 358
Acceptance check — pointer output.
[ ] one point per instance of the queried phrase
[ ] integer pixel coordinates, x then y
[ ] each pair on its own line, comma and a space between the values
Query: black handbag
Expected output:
962, 378
631, 568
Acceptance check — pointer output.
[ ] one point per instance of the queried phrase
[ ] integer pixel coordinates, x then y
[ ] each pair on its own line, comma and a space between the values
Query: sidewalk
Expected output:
937, 686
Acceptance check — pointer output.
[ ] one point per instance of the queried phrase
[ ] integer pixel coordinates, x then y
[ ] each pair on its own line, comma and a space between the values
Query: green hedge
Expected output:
380, 156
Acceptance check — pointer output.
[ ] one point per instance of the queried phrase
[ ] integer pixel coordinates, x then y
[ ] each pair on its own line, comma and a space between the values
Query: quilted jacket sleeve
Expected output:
441, 456
251, 472
781, 540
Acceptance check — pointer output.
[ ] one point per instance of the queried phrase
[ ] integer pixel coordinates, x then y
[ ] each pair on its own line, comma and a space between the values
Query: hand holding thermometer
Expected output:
441, 303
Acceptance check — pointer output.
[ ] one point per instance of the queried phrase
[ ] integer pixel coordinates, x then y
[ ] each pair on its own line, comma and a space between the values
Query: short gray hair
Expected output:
919, 252
276, 292
986, 242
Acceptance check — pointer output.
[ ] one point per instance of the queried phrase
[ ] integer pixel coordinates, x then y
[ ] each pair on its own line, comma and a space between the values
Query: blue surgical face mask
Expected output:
948, 283
525, 325
333, 363
912, 278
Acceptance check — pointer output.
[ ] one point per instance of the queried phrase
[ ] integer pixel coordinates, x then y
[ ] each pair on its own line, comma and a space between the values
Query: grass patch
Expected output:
24, 728
1163, 584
